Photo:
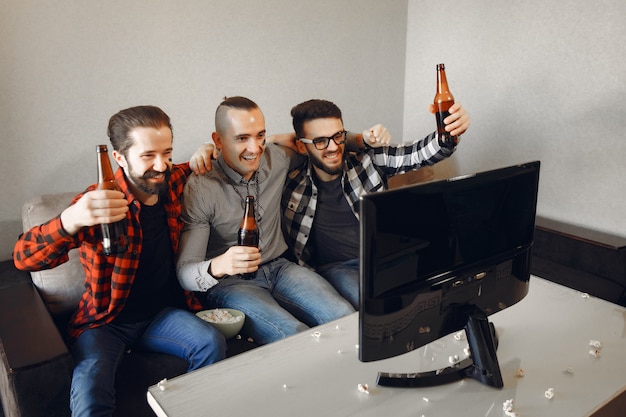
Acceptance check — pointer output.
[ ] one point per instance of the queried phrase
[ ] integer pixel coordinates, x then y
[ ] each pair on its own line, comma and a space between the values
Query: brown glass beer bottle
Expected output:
443, 101
114, 239
248, 232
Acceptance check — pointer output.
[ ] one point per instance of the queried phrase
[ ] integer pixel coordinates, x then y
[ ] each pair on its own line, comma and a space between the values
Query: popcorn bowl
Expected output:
227, 320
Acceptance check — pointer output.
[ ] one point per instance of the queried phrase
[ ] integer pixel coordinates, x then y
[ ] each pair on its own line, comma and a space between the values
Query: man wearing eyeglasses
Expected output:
320, 200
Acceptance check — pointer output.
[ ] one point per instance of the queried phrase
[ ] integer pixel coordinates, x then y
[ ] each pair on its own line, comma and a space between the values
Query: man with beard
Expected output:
321, 198
279, 297
131, 299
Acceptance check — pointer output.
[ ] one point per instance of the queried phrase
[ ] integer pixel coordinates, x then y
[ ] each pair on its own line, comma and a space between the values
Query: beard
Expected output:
141, 181
319, 163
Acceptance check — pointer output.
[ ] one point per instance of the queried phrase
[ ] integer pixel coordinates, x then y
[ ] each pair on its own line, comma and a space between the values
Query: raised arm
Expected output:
45, 246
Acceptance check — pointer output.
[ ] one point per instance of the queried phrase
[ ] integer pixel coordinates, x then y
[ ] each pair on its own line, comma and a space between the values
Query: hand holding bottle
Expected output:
95, 207
457, 122
236, 260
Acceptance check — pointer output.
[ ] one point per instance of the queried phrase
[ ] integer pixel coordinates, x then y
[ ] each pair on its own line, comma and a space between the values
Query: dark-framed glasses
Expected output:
322, 142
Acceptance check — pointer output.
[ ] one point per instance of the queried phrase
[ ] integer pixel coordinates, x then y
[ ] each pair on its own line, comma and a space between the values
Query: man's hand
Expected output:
458, 121
287, 140
94, 207
236, 260
377, 136
200, 162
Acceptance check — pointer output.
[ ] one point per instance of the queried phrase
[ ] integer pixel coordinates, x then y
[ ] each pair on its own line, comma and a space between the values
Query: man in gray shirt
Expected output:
281, 298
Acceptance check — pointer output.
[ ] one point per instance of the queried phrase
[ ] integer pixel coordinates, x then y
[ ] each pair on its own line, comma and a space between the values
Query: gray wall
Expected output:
66, 67
541, 80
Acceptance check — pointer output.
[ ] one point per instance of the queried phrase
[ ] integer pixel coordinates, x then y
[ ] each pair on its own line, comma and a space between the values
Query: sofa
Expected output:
35, 366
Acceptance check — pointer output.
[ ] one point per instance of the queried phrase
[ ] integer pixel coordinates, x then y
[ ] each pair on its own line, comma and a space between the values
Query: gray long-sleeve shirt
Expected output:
213, 207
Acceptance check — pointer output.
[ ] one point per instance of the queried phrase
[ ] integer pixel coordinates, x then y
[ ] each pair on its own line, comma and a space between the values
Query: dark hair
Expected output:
311, 110
236, 102
121, 123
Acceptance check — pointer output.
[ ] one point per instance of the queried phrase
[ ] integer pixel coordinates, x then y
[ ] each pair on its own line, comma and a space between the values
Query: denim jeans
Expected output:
344, 276
282, 299
98, 351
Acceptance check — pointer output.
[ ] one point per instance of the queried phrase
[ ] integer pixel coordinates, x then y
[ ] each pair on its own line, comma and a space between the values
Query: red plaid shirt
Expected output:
108, 279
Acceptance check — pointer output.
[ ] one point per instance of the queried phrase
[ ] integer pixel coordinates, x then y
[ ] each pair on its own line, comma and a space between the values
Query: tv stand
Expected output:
482, 364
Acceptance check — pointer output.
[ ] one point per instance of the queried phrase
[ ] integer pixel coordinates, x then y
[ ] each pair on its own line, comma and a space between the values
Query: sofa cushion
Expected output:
60, 287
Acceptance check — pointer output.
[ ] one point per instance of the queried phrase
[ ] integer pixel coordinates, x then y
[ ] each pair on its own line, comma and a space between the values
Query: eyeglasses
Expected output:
322, 142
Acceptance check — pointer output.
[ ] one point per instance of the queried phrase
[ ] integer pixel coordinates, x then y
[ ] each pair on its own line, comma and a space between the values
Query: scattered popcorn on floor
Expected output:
459, 335
520, 372
584, 295
316, 334
549, 394
595, 353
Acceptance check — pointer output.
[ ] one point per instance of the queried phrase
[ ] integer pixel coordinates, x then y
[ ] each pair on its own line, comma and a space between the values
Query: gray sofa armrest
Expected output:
35, 366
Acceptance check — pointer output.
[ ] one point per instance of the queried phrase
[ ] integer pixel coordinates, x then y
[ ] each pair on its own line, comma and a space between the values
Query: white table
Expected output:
546, 334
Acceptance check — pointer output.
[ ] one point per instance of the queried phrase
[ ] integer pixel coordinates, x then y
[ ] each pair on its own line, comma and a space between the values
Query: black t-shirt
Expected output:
335, 231
155, 286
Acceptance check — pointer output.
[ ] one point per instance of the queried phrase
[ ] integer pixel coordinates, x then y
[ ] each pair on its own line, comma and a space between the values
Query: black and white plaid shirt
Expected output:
363, 173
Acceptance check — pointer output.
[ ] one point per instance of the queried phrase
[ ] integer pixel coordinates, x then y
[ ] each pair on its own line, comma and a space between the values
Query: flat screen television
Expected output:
440, 257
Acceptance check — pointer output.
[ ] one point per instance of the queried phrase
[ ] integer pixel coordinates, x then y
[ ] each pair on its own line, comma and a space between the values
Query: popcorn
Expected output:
507, 407
595, 344
549, 394
363, 388
316, 334
162, 385
595, 353
520, 372
219, 316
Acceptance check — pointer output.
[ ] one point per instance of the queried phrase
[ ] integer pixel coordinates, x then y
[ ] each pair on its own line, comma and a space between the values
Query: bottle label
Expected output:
440, 116
248, 238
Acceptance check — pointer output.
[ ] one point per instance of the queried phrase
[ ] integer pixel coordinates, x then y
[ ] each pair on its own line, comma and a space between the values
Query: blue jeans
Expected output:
98, 351
344, 276
282, 299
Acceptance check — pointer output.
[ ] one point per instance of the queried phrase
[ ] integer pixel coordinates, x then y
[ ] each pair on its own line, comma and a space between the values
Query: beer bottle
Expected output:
114, 239
248, 232
443, 101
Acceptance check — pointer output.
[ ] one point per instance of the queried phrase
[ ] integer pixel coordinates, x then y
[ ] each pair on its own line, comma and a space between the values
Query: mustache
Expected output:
153, 174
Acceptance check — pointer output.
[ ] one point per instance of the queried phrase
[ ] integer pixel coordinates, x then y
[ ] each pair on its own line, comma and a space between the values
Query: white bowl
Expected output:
227, 320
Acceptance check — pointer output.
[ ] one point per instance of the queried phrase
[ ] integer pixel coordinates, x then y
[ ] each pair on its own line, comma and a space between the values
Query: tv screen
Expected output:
436, 254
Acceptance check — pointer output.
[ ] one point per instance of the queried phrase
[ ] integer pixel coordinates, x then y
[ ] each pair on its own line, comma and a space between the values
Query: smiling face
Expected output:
148, 162
242, 140
327, 163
